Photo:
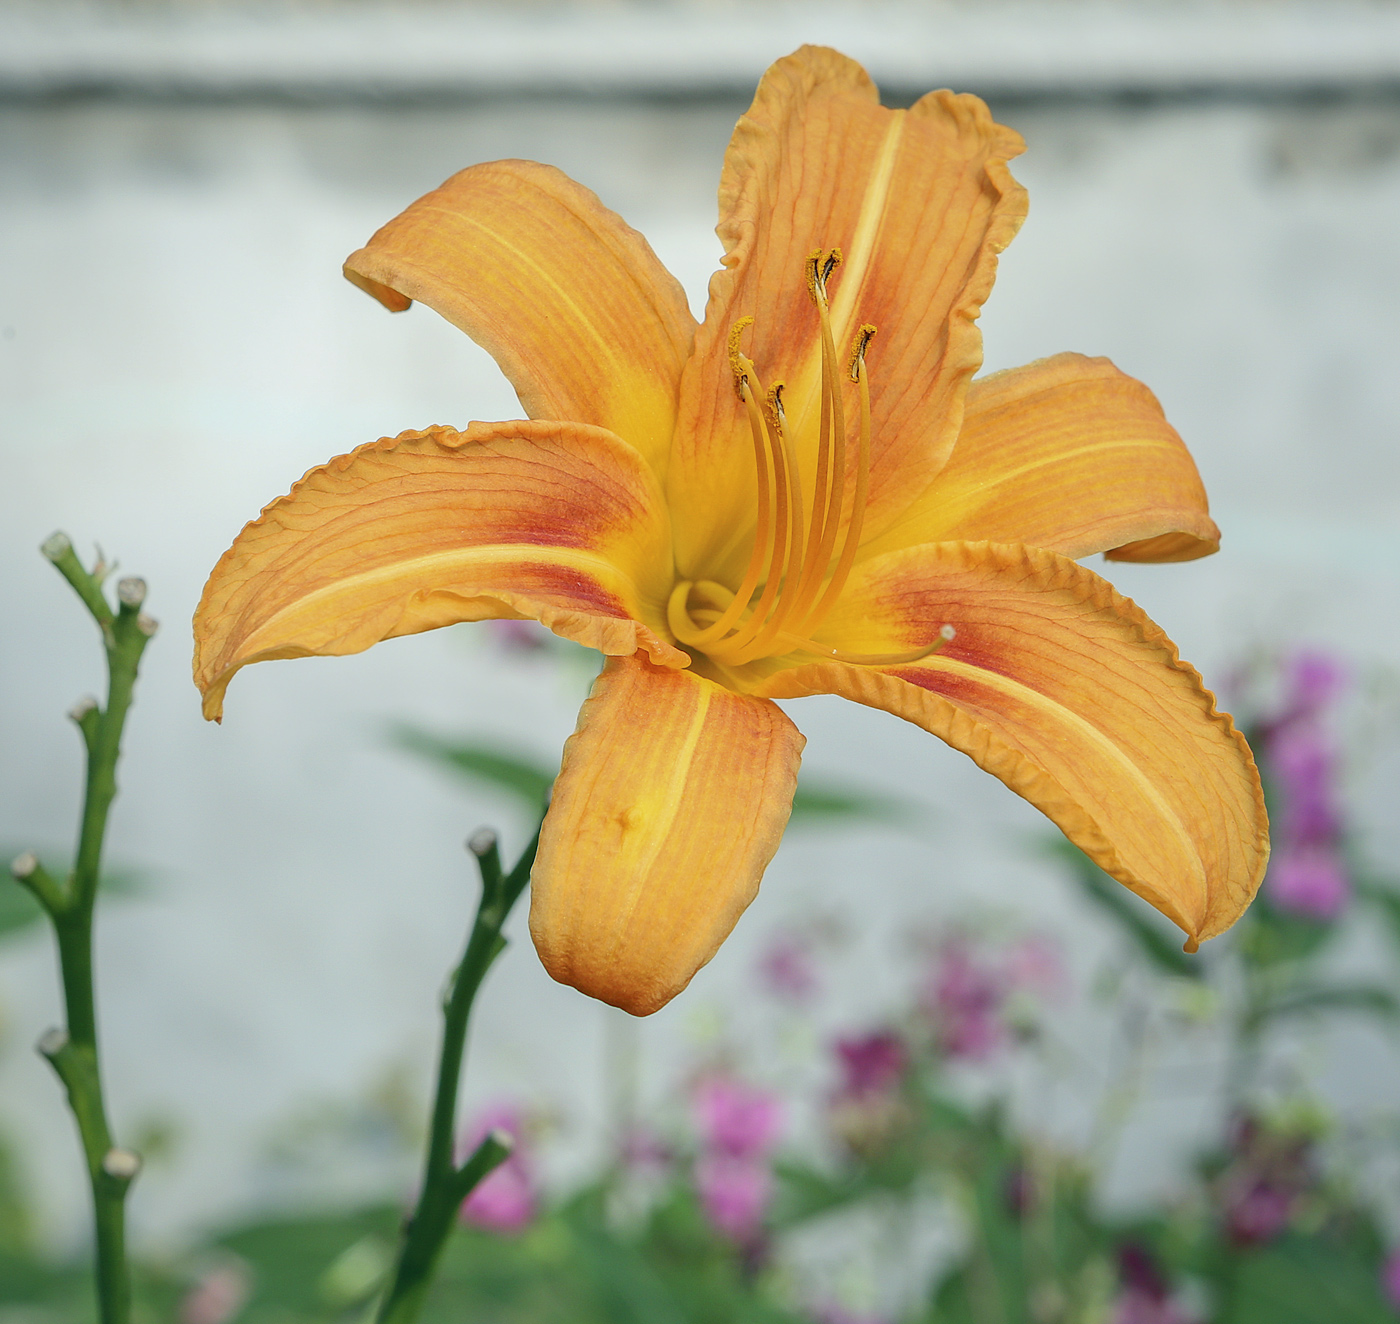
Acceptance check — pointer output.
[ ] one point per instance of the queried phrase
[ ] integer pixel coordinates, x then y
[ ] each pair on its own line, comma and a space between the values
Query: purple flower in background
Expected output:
1258, 1212
1307, 875
867, 1108
788, 968
964, 997
871, 1064
518, 636
642, 1151
735, 1119
1033, 963
1309, 881
1390, 1278
506, 1199
739, 1127
734, 1193
1144, 1296
1304, 766
1261, 1189
1313, 681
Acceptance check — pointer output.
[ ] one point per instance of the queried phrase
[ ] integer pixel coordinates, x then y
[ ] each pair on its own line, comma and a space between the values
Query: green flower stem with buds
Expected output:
446, 1183
69, 904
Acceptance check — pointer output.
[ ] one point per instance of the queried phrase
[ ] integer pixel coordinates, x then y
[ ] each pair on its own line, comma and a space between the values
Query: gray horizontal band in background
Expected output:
1050, 49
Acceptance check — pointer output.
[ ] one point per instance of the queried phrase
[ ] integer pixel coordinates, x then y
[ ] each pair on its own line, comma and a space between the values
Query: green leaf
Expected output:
816, 803
1372, 998
1134, 915
819, 802
290, 1257
1384, 894
1304, 1280
18, 908
1269, 936
480, 761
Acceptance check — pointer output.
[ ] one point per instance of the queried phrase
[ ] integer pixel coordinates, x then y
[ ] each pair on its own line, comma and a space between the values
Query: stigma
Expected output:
802, 555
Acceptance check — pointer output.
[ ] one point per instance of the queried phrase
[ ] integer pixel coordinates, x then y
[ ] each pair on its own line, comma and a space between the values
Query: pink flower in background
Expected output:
1309, 881
1033, 963
867, 1108
964, 997
1307, 875
1304, 767
788, 967
1143, 1296
735, 1119
739, 1127
518, 636
1134, 1307
1313, 681
1259, 1212
871, 1064
218, 1296
644, 1152
1390, 1278
734, 1193
1261, 1189
507, 1198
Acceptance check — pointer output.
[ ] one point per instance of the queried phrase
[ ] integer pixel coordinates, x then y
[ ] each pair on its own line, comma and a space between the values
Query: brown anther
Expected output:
775, 407
820, 264
859, 345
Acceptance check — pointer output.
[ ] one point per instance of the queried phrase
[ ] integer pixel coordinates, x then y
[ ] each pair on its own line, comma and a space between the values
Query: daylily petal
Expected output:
554, 521
920, 202
1070, 454
567, 298
672, 799
1074, 698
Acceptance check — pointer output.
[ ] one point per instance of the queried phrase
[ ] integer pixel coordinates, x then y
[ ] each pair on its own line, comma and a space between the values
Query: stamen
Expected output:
858, 347
776, 413
756, 637
831, 459
791, 556
784, 470
853, 530
676, 613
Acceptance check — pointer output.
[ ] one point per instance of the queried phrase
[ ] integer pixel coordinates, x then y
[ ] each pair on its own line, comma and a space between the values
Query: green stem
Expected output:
73, 1052
445, 1184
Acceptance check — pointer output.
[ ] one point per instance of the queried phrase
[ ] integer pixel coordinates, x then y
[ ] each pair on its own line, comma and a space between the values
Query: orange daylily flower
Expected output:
806, 494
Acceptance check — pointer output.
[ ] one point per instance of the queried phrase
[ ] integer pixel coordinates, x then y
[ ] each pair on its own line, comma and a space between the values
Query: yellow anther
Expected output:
738, 365
858, 347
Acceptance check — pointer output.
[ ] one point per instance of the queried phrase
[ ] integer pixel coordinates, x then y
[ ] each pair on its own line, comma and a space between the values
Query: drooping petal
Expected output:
554, 521
1074, 698
919, 202
672, 799
1069, 454
565, 296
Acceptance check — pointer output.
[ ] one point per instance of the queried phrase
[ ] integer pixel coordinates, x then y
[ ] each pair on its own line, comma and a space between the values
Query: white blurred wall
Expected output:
177, 346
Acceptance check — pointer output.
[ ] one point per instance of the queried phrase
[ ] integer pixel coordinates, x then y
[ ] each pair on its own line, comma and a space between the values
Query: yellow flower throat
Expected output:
795, 567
